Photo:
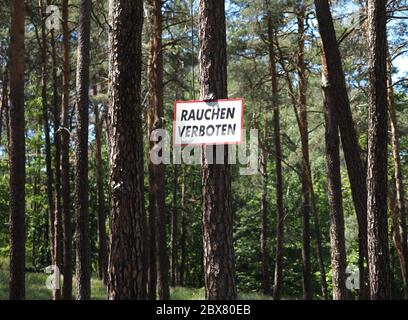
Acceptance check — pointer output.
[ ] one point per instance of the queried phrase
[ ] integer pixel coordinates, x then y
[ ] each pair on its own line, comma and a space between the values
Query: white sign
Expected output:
208, 122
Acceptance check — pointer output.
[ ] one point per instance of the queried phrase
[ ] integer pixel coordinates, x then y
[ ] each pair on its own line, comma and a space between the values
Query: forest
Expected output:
99, 200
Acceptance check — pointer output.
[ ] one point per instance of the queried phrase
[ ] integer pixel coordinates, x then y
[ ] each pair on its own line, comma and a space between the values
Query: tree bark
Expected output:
219, 264
378, 252
305, 195
280, 215
355, 166
156, 172
127, 263
17, 153
83, 243
64, 136
56, 294
58, 229
399, 212
102, 248
334, 194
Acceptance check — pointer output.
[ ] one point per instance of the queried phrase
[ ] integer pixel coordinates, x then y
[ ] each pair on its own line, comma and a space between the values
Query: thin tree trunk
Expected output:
64, 136
156, 172
102, 248
334, 194
264, 177
378, 252
355, 166
17, 153
305, 196
127, 261
399, 221
56, 294
280, 215
309, 203
219, 262
83, 244
58, 230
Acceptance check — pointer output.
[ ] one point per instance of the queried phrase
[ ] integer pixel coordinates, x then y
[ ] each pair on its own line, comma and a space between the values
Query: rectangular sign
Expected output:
208, 122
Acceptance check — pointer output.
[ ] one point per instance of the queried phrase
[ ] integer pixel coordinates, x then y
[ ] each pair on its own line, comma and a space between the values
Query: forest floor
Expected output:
37, 290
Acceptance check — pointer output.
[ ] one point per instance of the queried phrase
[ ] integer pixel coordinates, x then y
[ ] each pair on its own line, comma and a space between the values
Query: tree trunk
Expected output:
83, 243
156, 172
17, 153
102, 248
58, 230
305, 196
280, 215
64, 136
219, 264
56, 294
378, 253
309, 204
399, 220
127, 265
355, 166
334, 194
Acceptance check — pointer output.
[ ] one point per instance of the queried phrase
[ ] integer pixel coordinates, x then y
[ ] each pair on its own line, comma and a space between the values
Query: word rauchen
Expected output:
208, 122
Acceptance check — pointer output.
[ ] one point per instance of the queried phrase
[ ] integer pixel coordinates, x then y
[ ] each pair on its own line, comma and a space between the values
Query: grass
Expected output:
36, 289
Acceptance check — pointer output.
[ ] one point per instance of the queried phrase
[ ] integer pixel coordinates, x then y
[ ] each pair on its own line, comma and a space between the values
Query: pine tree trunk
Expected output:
58, 229
102, 248
219, 264
56, 294
378, 252
83, 243
156, 172
355, 166
334, 194
280, 215
127, 262
399, 220
17, 153
64, 136
308, 198
305, 196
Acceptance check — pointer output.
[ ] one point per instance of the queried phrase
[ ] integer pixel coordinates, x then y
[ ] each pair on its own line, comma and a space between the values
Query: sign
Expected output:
208, 122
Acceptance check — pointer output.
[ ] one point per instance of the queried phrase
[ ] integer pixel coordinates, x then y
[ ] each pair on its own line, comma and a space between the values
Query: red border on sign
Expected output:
206, 144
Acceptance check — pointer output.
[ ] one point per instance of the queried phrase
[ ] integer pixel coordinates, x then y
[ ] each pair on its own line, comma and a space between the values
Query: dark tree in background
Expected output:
156, 172
397, 207
219, 264
334, 191
102, 238
378, 252
64, 136
83, 242
127, 261
17, 152
55, 258
355, 167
